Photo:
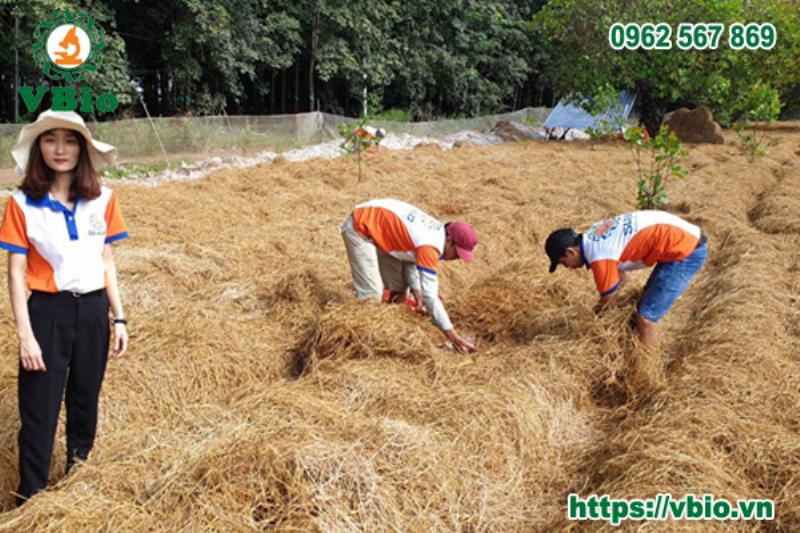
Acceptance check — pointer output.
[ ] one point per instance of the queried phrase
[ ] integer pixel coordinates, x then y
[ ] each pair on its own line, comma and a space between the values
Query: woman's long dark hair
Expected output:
39, 177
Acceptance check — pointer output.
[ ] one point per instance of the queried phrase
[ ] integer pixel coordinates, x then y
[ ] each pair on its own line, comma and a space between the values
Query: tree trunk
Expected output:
297, 86
345, 98
364, 110
272, 91
163, 94
314, 36
283, 91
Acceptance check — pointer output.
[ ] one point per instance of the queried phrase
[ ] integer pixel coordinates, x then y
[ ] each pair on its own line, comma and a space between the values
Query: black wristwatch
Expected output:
120, 321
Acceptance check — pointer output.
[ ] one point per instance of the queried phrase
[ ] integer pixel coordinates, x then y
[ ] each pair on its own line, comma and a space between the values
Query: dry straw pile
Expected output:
259, 396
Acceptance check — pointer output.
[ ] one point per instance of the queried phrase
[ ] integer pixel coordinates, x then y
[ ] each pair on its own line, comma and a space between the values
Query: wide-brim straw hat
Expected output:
101, 154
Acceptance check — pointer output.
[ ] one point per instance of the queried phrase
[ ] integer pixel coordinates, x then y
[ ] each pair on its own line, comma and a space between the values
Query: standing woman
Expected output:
58, 228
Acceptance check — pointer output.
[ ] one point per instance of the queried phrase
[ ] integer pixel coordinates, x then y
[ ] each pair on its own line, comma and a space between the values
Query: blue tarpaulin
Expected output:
570, 116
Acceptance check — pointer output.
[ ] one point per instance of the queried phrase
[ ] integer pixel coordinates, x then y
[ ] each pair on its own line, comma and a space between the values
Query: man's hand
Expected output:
603, 303
459, 343
421, 309
30, 355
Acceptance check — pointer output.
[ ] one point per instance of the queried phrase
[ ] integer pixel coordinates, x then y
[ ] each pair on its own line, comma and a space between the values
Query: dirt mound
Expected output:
695, 126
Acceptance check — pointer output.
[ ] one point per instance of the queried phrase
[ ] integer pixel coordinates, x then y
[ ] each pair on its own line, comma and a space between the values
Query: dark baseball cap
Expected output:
557, 243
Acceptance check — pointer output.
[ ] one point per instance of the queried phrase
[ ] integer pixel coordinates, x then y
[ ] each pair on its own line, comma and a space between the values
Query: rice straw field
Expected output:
258, 395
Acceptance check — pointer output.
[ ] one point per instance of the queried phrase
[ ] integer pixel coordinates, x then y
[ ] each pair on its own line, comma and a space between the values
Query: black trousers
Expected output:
73, 333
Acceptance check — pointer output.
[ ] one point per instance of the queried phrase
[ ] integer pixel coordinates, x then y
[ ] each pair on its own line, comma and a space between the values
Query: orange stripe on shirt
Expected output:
114, 222
14, 230
40, 274
606, 275
384, 228
389, 233
427, 258
659, 243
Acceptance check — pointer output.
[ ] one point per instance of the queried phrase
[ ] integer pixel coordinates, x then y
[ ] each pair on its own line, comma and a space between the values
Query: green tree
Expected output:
580, 60
430, 57
358, 46
462, 58
664, 154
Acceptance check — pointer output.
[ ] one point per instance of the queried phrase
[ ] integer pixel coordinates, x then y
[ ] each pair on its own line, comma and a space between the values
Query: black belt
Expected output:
702, 240
68, 295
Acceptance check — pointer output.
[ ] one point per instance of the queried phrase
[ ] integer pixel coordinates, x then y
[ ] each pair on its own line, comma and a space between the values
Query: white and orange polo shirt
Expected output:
635, 240
402, 231
64, 247
408, 234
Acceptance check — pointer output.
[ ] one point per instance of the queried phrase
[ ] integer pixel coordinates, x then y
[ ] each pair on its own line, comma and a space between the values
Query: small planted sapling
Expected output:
358, 138
664, 151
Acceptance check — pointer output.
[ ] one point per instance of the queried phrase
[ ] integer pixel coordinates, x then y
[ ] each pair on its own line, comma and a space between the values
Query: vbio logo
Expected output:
66, 48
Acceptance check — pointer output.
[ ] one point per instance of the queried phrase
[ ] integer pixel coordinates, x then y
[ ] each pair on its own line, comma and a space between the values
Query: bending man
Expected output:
632, 241
393, 243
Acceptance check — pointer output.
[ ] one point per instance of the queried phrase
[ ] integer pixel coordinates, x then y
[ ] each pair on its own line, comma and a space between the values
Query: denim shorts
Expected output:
668, 281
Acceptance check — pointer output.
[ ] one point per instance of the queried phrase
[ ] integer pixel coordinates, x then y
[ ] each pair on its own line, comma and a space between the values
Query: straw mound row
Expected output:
777, 211
362, 330
258, 395
297, 457
509, 306
726, 423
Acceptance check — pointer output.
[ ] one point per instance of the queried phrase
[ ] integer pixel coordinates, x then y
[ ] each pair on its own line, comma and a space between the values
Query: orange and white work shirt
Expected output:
408, 234
633, 241
64, 247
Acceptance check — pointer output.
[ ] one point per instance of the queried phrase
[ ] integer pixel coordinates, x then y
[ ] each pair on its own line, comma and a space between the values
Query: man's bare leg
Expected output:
648, 331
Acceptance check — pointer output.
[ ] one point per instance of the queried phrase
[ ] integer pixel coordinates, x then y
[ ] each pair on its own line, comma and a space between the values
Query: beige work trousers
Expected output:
373, 269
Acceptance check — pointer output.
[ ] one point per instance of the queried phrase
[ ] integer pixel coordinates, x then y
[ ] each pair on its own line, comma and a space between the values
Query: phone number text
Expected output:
692, 36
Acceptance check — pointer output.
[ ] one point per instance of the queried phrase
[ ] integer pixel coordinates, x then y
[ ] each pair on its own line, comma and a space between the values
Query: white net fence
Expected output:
136, 138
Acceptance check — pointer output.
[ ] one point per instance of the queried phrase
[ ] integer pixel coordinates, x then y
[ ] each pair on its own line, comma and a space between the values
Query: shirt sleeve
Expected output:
606, 275
115, 225
427, 259
428, 265
13, 232
411, 276
430, 296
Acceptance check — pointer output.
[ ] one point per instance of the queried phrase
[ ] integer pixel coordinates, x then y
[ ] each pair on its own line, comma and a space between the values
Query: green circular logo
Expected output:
67, 46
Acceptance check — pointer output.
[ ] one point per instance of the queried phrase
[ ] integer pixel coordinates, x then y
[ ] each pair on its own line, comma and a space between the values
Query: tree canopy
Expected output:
432, 58
732, 83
